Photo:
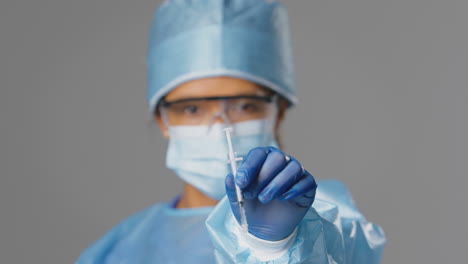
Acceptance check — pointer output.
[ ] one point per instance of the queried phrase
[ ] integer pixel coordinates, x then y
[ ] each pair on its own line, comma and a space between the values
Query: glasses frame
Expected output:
163, 104
267, 99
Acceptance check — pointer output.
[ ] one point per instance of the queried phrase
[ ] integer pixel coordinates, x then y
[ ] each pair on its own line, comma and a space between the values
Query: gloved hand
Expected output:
277, 192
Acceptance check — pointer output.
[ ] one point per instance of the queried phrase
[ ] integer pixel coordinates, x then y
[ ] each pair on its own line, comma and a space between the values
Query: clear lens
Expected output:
202, 111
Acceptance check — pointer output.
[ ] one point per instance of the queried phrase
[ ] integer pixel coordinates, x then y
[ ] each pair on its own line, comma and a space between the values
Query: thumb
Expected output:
231, 188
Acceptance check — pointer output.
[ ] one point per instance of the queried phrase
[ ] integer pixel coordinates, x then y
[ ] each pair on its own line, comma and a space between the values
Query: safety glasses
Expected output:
207, 110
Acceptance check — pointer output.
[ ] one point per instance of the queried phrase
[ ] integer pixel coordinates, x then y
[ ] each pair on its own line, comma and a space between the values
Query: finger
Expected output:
306, 187
230, 188
231, 194
274, 163
250, 167
305, 200
286, 178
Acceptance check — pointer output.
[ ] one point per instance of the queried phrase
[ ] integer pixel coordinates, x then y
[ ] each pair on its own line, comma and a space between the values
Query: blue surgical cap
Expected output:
193, 39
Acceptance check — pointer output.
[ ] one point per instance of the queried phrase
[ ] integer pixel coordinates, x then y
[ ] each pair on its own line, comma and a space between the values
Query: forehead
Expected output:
214, 87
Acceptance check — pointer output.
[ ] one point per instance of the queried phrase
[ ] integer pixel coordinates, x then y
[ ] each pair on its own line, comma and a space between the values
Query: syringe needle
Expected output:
233, 159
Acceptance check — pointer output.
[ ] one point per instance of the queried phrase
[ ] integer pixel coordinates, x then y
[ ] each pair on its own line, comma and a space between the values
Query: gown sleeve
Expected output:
332, 231
100, 252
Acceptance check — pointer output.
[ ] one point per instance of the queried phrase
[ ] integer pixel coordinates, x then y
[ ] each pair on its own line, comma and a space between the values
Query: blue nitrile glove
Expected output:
277, 192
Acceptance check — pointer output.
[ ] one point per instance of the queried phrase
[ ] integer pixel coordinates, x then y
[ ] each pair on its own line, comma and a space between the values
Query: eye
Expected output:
249, 107
190, 109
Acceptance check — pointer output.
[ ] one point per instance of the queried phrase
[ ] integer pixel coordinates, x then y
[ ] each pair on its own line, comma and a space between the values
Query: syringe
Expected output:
233, 159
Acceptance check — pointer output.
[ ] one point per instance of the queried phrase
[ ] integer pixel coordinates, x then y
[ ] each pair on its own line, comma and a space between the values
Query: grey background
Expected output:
383, 90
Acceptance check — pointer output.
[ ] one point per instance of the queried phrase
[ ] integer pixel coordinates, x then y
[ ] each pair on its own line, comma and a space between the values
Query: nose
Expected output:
220, 117
219, 114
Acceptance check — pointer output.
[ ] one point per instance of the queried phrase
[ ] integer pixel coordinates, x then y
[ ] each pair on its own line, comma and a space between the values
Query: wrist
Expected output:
262, 249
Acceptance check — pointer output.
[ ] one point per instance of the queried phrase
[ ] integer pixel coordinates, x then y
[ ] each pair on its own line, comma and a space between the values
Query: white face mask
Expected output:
198, 154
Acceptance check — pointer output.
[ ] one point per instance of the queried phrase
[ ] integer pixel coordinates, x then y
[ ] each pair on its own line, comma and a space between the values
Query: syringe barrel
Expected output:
232, 159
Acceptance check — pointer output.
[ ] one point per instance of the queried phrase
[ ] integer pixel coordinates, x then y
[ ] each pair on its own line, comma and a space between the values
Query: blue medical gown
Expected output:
333, 231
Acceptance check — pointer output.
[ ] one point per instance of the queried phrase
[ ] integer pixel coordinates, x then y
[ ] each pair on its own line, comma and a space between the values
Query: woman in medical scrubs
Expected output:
218, 64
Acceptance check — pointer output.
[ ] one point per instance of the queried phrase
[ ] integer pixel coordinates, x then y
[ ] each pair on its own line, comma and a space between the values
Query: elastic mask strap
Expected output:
162, 111
274, 107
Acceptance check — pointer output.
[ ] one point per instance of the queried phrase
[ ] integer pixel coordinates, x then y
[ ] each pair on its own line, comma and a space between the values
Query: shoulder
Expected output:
99, 250
333, 190
335, 194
